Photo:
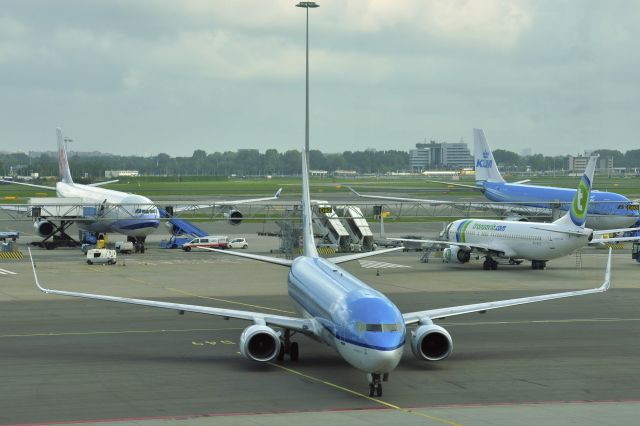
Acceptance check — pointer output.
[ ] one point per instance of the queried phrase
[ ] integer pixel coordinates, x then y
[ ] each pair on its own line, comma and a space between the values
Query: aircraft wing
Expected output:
349, 257
459, 185
502, 208
476, 246
613, 240
416, 317
21, 208
228, 203
103, 183
411, 200
260, 258
614, 231
298, 324
50, 188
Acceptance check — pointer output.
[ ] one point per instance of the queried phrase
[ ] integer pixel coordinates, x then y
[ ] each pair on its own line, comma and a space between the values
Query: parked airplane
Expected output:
136, 215
360, 323
606, 210
514, 240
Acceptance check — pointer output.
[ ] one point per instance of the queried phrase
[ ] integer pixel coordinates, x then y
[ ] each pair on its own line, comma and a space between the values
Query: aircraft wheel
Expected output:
494, 265
294, 352
372, 390
486, 265
379, 389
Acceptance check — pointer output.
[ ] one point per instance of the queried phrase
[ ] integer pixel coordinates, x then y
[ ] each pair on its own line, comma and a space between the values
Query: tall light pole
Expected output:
307, 5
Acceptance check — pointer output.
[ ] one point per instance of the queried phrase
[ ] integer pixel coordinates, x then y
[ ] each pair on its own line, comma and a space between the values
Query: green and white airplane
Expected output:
534, 241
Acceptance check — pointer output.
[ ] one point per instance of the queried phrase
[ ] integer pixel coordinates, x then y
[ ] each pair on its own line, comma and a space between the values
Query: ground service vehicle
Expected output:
106, 256
210, 241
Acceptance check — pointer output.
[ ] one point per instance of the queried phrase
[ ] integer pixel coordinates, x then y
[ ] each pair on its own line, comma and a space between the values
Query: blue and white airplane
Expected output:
335, 307
607, 210
136, 216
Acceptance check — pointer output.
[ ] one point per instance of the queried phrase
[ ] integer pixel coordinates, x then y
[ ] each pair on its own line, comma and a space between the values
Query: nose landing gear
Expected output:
375, 383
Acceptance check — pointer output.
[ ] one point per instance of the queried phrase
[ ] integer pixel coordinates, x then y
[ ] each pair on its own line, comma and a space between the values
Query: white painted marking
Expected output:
371, 264
5, 272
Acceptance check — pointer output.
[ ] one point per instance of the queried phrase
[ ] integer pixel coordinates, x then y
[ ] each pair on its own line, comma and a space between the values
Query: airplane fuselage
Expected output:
607, 210
520, 240
363, 325
134, 216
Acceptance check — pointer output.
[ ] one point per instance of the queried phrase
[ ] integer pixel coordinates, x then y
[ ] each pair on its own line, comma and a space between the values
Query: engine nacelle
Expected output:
234, 217
259, 343
44, 228
455, 254
431, 343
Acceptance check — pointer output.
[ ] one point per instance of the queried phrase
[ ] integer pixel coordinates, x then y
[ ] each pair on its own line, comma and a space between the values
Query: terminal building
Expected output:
440, 155
579, 164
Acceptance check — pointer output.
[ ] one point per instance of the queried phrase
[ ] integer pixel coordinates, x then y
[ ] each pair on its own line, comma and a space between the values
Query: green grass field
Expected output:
221, 188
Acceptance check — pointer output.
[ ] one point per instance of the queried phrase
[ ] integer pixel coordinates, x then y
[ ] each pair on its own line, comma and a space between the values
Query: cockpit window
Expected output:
146, 211
378, 328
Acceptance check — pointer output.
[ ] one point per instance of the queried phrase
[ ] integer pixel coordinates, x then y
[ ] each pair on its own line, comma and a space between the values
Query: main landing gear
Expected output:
138, 243
489, 264
287, 347
538, 264
375, 383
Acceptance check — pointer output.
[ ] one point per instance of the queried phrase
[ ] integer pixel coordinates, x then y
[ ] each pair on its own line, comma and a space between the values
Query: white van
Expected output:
210, 241
101, 256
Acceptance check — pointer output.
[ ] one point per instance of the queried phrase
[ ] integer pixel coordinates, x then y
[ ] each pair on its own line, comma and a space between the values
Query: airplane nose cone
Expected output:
384, 361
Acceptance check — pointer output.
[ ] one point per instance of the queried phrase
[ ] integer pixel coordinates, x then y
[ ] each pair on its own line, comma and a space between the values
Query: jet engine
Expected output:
431, 343
455, 254
233, 216
44, 228
259, 343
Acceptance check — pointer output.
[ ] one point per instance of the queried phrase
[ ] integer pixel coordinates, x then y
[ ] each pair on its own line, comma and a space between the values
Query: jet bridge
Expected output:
330, 226
358, 227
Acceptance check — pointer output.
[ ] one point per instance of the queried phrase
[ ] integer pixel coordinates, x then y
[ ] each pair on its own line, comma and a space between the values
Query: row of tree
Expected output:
271, 162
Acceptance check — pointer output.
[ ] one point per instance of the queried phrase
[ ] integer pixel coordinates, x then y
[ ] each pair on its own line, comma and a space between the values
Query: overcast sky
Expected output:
150, 76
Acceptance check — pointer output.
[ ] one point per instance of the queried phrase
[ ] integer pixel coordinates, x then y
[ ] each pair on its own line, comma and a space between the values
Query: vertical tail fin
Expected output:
577, 213
63, 161
308, 242
486, 167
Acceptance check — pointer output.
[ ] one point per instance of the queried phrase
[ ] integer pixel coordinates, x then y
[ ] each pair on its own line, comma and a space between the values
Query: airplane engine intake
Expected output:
455, 254
234, 217
259, 343
44, 228
431, 343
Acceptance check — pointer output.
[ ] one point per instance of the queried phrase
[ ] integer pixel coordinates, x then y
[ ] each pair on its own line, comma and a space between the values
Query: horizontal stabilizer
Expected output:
349, 257
259, 258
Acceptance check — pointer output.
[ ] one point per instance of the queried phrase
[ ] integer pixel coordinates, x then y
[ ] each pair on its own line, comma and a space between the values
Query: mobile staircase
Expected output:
357, 225
182, 231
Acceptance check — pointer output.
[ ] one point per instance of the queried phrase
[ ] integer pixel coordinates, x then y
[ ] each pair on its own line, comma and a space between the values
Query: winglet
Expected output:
353, 190
607, 275
35, 275
278, 192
